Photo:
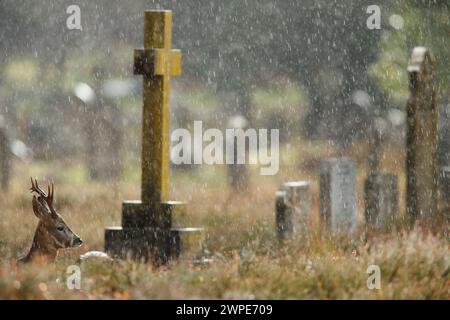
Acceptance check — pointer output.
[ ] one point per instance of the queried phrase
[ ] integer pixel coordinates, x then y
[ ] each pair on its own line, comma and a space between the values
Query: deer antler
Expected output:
47, 197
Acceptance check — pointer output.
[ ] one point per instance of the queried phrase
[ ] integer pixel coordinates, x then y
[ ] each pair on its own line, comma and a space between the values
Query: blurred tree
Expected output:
416, 23
419, 23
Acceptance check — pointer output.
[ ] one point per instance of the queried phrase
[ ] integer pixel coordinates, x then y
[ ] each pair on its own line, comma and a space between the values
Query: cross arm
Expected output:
158, 62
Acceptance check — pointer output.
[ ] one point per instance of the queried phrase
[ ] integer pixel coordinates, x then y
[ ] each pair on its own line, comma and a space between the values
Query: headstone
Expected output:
149, 227
381, 200
338, 209
102, 128
421, 141
377, 134
106, 158
280, 213
292, 205
444, 134
445, 189
238, 176
87, 97
5, 157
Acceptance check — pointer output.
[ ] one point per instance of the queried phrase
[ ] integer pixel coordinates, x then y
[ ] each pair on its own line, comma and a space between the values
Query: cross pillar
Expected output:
157, 62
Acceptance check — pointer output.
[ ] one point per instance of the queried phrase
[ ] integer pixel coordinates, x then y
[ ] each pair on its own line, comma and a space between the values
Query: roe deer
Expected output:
52, 232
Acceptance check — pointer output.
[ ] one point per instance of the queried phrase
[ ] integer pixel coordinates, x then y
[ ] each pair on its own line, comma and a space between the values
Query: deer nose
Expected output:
77, 241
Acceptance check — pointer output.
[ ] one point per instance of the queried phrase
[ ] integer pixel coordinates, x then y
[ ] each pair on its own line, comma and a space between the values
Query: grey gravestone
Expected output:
280, 213
445, 188
444, 134
238, 176
292, 206
338, 195
381, 199
102, 127
5, 157
377, 135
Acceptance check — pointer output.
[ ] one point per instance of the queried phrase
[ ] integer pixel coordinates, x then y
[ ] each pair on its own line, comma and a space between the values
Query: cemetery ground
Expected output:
247, 260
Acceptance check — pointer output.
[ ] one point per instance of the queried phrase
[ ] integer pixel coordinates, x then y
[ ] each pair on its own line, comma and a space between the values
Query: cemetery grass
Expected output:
247, 260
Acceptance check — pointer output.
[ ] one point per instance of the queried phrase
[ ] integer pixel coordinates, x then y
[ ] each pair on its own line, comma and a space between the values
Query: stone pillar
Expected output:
445, 191
280, 213
103, 131
238, 176
443, 157
5, 158
381, 200
293, 216
377, 135
338, 209
421, 141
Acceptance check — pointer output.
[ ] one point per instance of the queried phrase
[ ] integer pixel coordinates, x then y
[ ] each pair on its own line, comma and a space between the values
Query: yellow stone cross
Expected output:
152, 228
157, 62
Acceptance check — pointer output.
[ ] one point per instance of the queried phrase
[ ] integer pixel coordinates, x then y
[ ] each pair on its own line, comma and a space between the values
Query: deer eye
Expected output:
60, 228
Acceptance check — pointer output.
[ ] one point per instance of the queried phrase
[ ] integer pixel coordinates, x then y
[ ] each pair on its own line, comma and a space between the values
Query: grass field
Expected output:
247, 260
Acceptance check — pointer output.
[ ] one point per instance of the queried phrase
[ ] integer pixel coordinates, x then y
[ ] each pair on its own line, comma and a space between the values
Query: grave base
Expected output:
149, 234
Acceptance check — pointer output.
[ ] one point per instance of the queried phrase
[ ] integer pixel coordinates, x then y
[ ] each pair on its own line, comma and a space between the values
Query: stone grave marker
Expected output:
381, 200
292, 206
338, 209
421, 141
238, 175
445, 190
104, 132
443, 157
149, 226
5, 157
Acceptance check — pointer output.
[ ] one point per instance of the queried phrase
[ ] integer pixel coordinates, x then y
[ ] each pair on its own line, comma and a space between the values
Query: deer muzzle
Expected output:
76, 242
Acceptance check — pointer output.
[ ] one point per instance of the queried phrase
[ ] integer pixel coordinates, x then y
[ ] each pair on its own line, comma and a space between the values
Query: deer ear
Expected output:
40, 210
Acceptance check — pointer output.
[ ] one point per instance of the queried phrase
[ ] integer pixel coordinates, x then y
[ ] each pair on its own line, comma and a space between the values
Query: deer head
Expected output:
52, 232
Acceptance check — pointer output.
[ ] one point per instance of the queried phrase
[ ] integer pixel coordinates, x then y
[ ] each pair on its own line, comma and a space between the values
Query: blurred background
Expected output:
311, 68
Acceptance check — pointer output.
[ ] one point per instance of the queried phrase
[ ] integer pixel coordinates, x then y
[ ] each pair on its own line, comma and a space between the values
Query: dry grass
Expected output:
248, 262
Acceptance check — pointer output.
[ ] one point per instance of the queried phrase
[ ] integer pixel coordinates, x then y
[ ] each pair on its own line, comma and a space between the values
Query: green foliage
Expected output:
428, 27
22, 74
270, 98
